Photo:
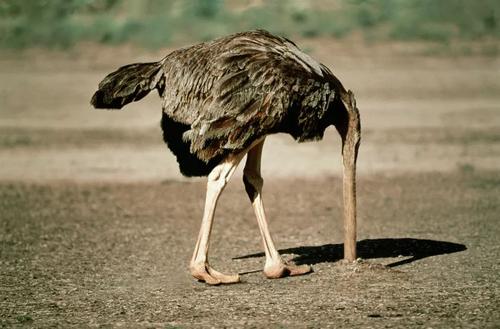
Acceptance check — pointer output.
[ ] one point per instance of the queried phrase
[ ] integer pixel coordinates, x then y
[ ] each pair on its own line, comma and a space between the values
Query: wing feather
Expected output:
234, 90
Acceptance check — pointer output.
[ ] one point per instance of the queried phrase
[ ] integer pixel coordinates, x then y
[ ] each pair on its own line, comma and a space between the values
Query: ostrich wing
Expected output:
235, 90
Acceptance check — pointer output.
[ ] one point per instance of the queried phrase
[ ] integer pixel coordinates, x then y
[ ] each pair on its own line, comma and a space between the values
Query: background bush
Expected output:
157, 23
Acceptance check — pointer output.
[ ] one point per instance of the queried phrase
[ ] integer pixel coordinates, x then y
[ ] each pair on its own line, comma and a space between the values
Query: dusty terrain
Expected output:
97, 225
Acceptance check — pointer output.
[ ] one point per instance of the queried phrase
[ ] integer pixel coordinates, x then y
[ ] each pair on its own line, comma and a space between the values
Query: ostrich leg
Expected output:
274, 267
217, 180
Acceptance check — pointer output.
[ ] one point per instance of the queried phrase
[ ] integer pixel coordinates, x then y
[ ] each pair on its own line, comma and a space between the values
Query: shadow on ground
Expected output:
372, 248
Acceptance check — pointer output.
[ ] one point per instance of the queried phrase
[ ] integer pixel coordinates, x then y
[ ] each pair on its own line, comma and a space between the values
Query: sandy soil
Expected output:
97, 225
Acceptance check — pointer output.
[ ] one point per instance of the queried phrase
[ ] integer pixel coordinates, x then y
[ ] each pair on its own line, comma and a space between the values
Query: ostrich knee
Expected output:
253, 183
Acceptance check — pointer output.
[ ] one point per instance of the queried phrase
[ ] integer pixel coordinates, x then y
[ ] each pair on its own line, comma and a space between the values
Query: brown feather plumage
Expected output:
236, 89
232, 91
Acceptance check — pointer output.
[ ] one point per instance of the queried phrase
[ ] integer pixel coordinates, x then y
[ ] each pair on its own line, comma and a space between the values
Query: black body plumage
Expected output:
221, 96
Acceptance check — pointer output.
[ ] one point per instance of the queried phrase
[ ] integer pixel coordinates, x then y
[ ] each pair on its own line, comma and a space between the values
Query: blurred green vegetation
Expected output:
157, 23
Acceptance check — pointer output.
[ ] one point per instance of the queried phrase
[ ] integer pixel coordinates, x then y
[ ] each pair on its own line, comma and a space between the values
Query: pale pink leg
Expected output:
274, 267
199, 265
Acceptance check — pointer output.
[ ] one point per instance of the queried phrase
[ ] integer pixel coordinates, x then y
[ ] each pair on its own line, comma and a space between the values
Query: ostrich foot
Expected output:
205, 273
281, 270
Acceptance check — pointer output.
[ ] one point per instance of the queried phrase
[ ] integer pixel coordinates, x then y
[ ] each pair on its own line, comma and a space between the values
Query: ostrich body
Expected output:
220, 101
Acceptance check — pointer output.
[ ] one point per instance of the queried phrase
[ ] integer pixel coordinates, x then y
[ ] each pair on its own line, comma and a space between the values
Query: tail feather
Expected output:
129, 83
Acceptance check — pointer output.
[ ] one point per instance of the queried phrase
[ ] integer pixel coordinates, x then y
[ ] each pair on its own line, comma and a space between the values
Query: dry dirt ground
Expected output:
97, 226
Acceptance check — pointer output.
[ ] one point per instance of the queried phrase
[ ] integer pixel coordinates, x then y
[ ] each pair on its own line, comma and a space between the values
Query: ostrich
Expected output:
220, 101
